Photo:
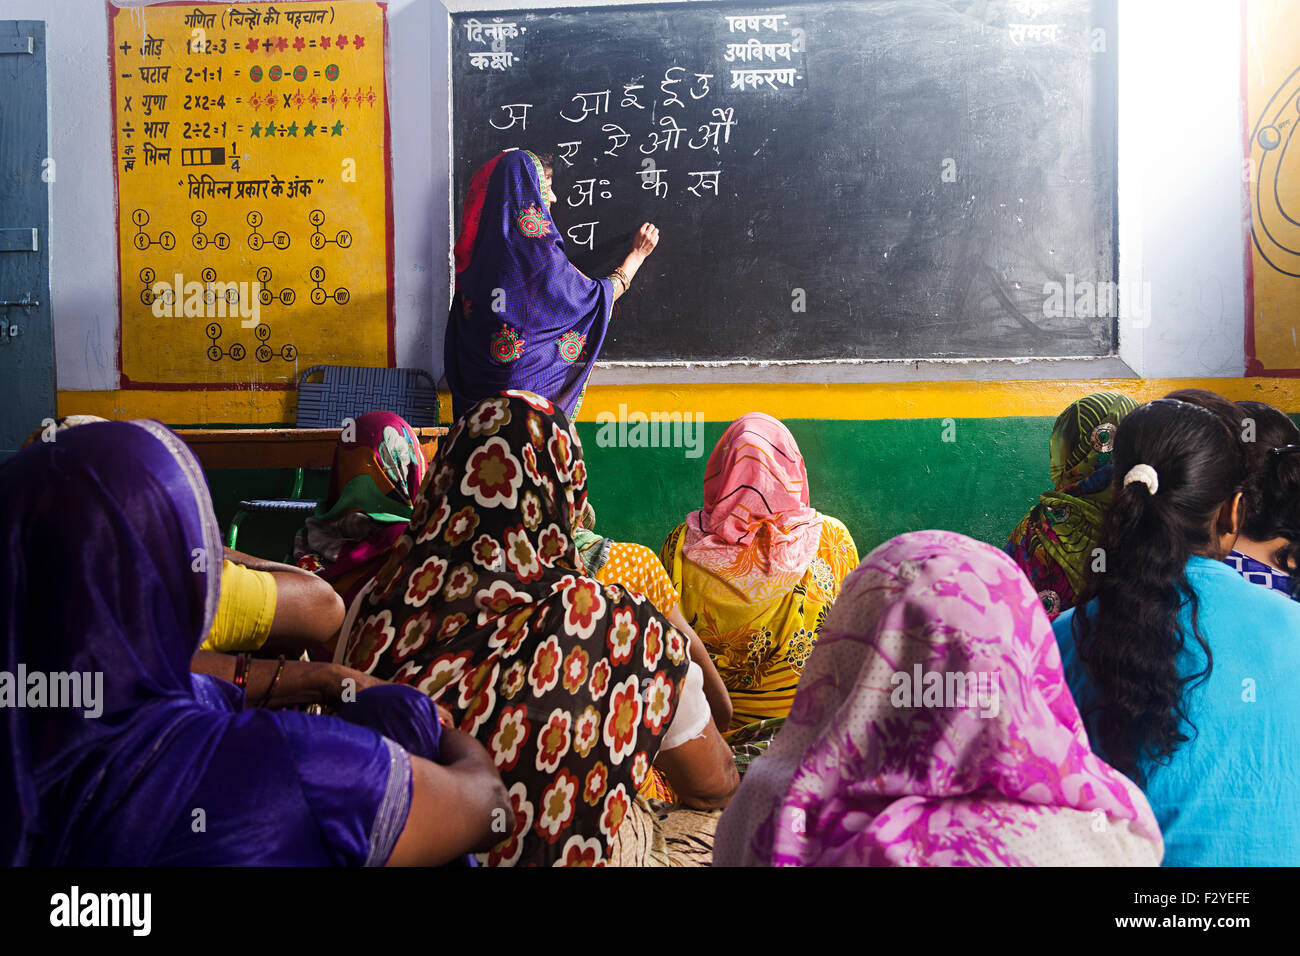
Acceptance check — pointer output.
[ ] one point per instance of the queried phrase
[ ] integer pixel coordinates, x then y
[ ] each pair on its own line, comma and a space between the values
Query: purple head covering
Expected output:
523, 316
112, 575
115, 573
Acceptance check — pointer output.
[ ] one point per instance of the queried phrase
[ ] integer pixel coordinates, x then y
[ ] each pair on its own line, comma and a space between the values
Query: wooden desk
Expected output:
219, 448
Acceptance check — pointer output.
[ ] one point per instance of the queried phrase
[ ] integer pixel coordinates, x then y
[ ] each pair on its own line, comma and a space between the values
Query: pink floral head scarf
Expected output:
756, 523
933, 726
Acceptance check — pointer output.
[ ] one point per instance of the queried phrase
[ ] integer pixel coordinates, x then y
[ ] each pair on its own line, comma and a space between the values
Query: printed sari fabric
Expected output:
522, 317
1053, 543
756, 567
1257, 572
933, 727
486, 607
368, 506
118, 515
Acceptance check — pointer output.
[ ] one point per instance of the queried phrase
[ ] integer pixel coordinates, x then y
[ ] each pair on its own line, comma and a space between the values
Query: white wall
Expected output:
1182, 214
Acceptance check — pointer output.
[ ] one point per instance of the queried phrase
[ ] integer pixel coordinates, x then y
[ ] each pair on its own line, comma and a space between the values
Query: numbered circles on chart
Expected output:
140, 217
315, 217
199, 218
215, 353
263, 332
254, 219
255, 242
265, 296
317, 274
213, 331
208, 275
236, 351
280, 240
147, 276
287, 296
318, 296
167, 241
344, 238
318, 240
141, 241
288, 353
263, 353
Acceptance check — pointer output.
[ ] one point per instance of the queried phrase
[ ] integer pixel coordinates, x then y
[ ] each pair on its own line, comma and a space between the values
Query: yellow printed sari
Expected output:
760, 648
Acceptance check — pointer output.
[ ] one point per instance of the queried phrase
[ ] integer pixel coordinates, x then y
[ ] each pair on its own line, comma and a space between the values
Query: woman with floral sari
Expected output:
522, 316
1053, 543
575, 688
757, 569
372, 487
934, 727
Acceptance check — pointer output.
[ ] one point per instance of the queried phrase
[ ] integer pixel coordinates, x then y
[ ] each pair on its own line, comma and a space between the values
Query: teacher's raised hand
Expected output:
643, 243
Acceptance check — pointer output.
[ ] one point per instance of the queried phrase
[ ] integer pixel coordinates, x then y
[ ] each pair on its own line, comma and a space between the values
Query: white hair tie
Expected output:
1143, 474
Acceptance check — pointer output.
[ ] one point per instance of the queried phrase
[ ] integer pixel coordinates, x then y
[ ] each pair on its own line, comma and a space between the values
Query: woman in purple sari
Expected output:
115, 755
523, 317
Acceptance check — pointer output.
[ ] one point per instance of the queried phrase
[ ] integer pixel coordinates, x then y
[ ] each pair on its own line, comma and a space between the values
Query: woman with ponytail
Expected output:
1183, 671
1268, 550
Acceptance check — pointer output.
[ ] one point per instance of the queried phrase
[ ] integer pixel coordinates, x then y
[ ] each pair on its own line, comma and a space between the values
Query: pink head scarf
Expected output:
756, 524
860, 775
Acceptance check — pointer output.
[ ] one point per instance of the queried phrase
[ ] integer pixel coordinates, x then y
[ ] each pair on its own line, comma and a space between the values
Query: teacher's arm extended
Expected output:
647, 237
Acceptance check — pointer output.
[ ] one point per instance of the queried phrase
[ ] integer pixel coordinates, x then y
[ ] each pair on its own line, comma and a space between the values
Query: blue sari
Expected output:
112, 571
523, 317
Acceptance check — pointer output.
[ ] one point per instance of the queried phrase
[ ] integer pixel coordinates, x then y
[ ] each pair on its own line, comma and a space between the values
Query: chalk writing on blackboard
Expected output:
495, 34
515, 112
1022, 33
753, 24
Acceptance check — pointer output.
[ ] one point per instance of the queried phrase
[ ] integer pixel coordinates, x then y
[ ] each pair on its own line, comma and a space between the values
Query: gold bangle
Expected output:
621, 276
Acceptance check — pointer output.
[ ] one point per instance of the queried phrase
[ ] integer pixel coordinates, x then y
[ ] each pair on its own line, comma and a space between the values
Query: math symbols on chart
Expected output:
266, 296
256, 240
210, 295
147, 296
263, 353
215, 352
200, 240
319, 295
342, 238
143, 240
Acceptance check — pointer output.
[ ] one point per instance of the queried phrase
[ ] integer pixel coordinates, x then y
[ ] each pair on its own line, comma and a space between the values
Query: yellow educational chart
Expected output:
1273, 173
252, 184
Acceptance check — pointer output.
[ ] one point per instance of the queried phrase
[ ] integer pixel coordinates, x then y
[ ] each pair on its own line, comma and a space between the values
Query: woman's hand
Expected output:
645, 240
643, 243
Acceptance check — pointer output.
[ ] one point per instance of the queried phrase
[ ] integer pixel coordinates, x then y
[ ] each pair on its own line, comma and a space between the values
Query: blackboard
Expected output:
895, 179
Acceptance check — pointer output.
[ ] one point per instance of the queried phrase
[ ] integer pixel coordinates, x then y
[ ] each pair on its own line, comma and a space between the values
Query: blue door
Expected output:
27, 395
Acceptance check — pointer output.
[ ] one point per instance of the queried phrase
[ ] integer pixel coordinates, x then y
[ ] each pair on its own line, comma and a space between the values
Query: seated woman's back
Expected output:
1229, 796
757, 567
112, 581
933, 728
1183, 670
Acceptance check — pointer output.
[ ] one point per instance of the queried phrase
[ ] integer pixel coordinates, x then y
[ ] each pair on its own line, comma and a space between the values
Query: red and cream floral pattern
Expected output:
568, 684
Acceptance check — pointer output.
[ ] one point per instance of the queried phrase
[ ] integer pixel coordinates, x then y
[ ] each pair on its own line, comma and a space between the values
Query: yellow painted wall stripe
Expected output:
840, 401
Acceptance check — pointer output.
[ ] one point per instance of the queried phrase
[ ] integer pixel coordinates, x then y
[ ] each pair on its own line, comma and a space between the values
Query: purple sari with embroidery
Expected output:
523, 317
112, 570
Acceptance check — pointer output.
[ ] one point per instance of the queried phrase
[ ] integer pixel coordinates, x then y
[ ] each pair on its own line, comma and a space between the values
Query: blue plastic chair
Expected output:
346, 391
